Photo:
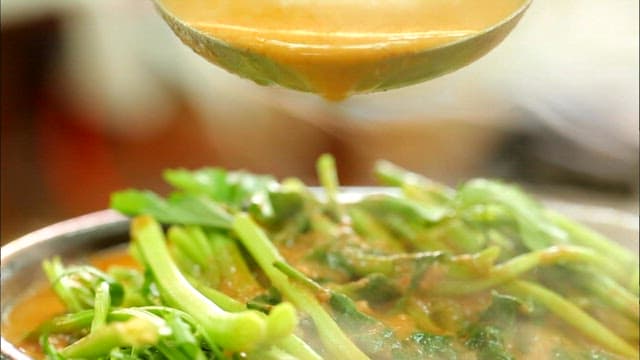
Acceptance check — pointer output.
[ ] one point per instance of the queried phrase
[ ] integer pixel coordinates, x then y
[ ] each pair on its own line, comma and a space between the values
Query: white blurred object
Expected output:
572, 62
574, 65
107, 67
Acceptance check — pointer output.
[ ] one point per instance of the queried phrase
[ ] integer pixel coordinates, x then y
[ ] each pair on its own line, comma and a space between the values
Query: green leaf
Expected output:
412, 211
488, 343
368, 333
422, 345
375, 288
536, 230
502, 311
234, 188
179, 209
486, 335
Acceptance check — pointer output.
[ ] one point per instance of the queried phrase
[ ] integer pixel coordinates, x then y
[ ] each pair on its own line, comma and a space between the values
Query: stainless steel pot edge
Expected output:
70, 226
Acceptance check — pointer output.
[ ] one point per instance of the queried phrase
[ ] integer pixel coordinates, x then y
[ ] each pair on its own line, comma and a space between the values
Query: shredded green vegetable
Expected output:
234, 265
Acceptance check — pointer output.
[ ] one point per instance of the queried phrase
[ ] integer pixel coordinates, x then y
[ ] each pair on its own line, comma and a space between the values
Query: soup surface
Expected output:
330, 42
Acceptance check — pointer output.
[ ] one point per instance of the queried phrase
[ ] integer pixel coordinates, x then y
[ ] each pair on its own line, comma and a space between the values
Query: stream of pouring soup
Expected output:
333, 44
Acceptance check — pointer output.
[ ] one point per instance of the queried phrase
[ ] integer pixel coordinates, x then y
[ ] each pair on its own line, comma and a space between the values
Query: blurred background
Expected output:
98, 96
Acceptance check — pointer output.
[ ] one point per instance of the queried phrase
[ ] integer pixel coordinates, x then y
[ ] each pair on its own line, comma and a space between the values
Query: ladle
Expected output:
338, 77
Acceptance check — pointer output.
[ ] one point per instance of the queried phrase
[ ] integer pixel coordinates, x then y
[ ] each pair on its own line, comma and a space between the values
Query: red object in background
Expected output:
27, 52
77, 163
81, 164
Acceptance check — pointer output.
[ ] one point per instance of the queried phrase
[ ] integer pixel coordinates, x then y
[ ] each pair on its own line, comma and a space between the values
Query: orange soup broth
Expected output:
333, 44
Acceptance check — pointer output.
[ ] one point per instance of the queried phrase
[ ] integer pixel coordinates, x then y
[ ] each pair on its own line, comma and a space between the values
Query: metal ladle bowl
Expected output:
386, 73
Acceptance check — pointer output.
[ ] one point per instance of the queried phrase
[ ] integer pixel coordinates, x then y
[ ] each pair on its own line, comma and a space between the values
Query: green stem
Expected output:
101, 305
519, 265
233, 268
581, 235
67, 323
412, 183
573, 315
54, 271
266, 254
221, 299
367, 226
241, 331
614, 295
326, 169
193, 242
291, 343
298, 348
135, 332
419, 312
